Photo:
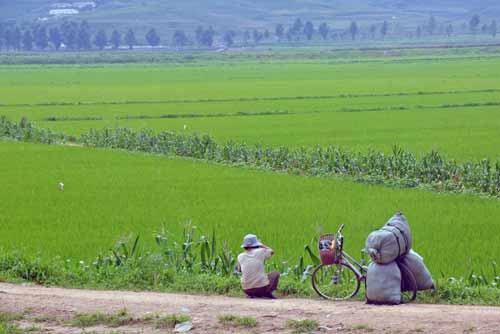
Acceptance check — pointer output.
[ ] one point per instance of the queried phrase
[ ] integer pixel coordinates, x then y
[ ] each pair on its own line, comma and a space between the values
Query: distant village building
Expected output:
61, 5
60, 12
83, 5
71, 8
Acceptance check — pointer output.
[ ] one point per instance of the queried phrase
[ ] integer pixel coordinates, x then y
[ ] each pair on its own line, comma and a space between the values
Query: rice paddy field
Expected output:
451, 105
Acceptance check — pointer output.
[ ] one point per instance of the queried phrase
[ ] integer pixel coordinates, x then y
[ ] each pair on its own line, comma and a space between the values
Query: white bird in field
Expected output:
61, 186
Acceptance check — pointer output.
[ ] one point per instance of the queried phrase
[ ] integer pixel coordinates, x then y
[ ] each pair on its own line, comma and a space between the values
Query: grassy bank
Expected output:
195, 264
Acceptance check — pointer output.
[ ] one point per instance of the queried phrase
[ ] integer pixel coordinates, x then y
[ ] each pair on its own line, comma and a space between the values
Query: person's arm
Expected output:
271, 253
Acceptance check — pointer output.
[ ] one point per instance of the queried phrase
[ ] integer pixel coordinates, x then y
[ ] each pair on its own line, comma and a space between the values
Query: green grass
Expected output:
236, 320
115, 91
109, 194
117, 319
461, 133
363, 328
6, 323
95, 83
169, 321
302, 326
75, 223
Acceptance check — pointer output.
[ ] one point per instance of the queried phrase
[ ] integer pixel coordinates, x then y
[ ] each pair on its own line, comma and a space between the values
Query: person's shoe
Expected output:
271, 296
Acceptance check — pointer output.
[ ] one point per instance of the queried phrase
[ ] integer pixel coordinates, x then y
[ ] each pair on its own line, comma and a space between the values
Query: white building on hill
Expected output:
66, 11
84, 5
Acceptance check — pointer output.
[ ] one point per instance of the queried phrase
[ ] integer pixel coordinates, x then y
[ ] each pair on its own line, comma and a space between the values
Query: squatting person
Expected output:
254, 280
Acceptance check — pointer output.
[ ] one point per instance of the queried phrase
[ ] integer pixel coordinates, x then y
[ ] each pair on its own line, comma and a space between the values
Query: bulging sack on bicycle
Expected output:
391, 241
383, 284
415, 264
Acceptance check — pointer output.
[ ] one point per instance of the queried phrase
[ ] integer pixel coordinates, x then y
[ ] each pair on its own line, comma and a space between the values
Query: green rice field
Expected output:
451, 105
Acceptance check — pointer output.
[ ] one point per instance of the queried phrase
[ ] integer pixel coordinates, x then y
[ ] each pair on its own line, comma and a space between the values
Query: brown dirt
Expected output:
51, 308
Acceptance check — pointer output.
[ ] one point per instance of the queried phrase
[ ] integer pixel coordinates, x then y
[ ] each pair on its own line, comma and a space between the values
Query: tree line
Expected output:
78, 36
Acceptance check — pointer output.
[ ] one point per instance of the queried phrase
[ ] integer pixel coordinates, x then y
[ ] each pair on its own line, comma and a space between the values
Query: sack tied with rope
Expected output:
390, 242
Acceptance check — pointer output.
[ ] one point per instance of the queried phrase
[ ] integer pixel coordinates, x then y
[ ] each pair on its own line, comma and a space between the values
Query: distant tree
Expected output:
324, 30
384, 29
115, 39
69, 32
484, 28
152, 38
199, 34
353, 30
100, 39
279, 32
17, 38
211, 31
297, 27
246, 37
130, 39
267, 34
493, 29
309, 30
296, 30
418, 32
41, 38
27, 40
83, 41
208, 37
180, 38
55, 38
289, 35
432, 25
464, 27
3, 28
228, 38
449, 30
373, 31
8, 37
257, 36
474, 23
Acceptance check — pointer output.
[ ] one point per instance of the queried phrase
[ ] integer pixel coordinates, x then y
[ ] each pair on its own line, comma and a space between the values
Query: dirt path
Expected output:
51, 309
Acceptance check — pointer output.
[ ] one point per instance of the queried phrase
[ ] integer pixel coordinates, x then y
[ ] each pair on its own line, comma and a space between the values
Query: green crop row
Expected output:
399, 167
254, 99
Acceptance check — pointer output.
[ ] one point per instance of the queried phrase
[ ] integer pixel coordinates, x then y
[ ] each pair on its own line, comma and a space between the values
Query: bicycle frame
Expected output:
355, 264
348, 259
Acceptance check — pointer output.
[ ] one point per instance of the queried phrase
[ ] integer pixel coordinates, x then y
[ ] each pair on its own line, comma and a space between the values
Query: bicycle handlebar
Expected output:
340, 229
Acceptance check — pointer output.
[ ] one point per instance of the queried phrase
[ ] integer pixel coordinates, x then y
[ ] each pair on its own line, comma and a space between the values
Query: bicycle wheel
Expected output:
408, 284
335, 282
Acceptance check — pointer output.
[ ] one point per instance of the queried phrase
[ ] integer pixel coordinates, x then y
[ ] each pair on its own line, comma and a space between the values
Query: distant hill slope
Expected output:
242, 14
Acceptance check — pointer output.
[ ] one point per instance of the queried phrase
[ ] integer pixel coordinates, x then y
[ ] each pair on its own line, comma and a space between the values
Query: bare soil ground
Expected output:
51, 310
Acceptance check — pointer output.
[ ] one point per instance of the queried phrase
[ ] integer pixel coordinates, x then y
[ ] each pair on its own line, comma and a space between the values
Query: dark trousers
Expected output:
265, 291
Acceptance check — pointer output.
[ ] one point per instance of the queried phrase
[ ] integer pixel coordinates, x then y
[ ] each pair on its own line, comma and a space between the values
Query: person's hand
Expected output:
266, 247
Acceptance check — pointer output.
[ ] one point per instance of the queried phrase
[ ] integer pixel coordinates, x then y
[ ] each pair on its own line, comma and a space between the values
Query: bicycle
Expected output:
339, 276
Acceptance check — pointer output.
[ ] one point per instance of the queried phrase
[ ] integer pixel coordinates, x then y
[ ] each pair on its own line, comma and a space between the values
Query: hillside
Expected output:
243, 14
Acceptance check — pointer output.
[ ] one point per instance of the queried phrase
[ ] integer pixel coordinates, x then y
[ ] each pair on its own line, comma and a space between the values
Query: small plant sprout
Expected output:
61, 186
